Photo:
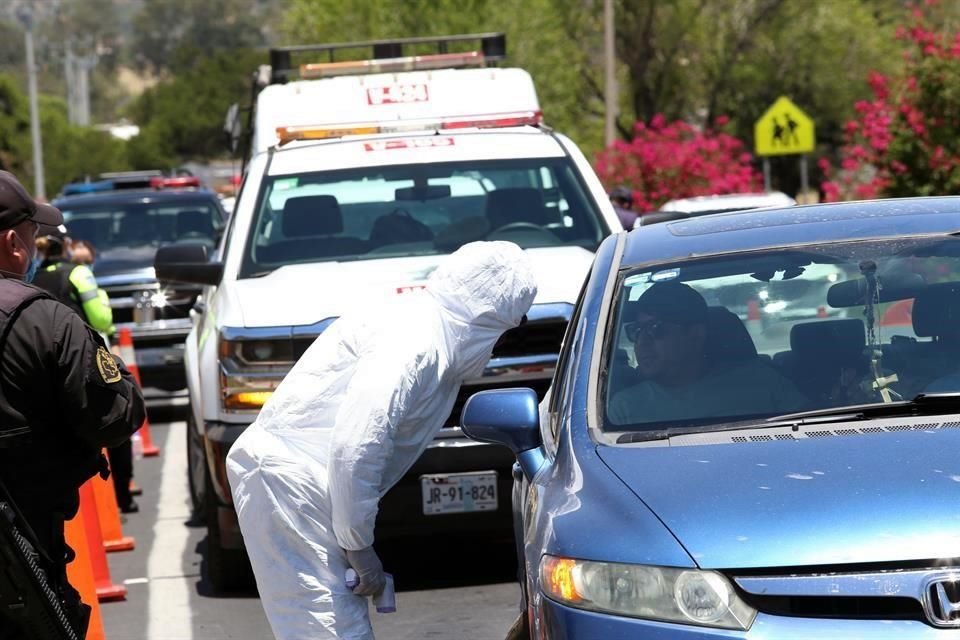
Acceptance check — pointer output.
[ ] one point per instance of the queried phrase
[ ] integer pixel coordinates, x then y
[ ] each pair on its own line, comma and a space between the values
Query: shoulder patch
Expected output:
109, 370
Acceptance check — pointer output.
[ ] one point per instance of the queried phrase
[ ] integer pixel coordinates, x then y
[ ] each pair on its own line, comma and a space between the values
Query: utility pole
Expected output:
70, 75
77, 70
610, 70
25, 15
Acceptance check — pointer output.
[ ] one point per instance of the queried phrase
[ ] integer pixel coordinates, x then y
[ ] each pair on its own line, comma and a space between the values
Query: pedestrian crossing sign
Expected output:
784, 129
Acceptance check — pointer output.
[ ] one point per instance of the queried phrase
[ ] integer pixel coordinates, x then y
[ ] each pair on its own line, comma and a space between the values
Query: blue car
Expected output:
753, 432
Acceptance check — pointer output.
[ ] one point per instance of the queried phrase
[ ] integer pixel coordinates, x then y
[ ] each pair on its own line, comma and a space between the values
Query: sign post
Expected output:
784, 129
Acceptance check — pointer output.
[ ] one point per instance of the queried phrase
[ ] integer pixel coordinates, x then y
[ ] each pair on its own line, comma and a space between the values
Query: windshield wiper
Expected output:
924, 404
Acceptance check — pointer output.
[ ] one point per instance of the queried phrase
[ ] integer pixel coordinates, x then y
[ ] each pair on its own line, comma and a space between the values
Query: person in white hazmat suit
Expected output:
348, 421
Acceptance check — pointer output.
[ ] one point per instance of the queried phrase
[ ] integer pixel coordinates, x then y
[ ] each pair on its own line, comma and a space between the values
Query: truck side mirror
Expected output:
187, 263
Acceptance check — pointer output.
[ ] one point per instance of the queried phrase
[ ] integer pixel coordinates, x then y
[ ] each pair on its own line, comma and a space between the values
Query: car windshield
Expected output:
121, 225
413, 210
701, 344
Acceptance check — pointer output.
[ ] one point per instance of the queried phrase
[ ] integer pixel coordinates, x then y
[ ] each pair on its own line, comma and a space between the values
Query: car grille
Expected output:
123, 302
887, 592
849, 608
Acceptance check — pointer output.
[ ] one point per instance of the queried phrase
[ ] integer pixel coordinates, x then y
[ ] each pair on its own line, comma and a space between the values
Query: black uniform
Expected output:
57, 282
58, 379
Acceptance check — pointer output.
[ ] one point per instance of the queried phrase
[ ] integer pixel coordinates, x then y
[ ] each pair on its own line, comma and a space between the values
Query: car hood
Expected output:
125, 260
884, 497
303, 294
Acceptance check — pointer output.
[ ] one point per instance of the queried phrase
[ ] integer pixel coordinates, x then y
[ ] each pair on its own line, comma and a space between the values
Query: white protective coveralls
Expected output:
349, 420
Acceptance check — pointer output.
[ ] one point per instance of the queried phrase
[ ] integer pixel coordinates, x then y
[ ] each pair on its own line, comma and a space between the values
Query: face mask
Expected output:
32, 269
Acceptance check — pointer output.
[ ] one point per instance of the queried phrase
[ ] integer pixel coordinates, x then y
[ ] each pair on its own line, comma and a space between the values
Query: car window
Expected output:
748, 337
408, 210
130, 225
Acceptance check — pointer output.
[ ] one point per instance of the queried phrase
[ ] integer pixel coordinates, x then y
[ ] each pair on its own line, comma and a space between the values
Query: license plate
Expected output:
459, 492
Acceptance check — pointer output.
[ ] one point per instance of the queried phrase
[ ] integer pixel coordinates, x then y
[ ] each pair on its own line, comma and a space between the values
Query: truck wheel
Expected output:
228, 570
196, 467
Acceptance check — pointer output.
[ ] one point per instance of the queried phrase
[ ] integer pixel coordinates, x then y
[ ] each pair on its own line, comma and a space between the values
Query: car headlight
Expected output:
686, 596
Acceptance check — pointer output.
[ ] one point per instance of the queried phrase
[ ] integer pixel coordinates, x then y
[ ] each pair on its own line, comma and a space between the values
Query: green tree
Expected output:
200, 27
68, 151
11, 45
14, 128
690, 60
182, 118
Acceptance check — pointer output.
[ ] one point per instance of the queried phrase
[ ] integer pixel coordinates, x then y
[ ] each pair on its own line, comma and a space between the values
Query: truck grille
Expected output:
539, 385
533, 338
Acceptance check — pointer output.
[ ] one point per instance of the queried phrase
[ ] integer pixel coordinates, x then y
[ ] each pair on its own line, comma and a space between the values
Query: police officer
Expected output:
72, 284
75, 286
63, 397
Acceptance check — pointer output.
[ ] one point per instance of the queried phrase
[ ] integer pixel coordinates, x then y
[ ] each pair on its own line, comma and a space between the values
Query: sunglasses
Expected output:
652, 330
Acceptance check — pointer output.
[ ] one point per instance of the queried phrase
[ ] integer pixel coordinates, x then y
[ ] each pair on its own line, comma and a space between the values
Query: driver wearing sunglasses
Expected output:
669, 329
669, 333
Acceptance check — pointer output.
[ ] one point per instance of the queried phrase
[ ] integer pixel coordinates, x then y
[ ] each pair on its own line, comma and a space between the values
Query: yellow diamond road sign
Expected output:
783, 129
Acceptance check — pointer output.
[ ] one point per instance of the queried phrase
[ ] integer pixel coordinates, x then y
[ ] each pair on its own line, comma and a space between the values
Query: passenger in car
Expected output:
677, 377
929, 362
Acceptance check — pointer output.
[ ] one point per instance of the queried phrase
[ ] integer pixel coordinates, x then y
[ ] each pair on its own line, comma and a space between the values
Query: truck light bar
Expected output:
491, 121
393, 65
493, 46
162, 182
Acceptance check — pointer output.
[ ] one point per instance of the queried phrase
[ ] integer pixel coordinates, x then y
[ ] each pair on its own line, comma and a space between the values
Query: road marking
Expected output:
136, 581
168, 608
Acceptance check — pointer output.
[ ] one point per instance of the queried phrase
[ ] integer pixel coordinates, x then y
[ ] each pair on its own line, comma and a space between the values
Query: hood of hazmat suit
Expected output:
361, 405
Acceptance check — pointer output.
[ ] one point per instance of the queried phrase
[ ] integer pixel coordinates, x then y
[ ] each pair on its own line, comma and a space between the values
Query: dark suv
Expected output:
126, 227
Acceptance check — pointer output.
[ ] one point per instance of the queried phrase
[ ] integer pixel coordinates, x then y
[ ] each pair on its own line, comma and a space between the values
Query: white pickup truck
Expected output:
361, 177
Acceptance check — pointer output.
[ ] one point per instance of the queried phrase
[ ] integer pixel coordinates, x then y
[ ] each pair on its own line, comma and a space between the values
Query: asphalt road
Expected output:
447, 589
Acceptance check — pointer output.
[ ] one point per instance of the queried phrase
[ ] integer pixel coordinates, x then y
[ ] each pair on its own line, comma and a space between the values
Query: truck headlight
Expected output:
250, 370
685, 596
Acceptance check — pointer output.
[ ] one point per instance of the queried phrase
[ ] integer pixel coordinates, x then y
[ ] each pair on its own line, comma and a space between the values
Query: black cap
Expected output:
58, 232
48, 215
16, 205
672, 302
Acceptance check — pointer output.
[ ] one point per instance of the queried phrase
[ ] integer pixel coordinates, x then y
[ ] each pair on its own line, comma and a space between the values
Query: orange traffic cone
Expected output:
80, 575
109, 515
129, 358
106, 590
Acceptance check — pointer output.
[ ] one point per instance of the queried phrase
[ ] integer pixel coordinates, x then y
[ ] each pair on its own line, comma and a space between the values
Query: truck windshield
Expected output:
412, 210
127, 225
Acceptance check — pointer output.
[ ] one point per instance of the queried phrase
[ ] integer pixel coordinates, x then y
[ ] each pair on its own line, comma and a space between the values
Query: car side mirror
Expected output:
510, 417
187, 263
